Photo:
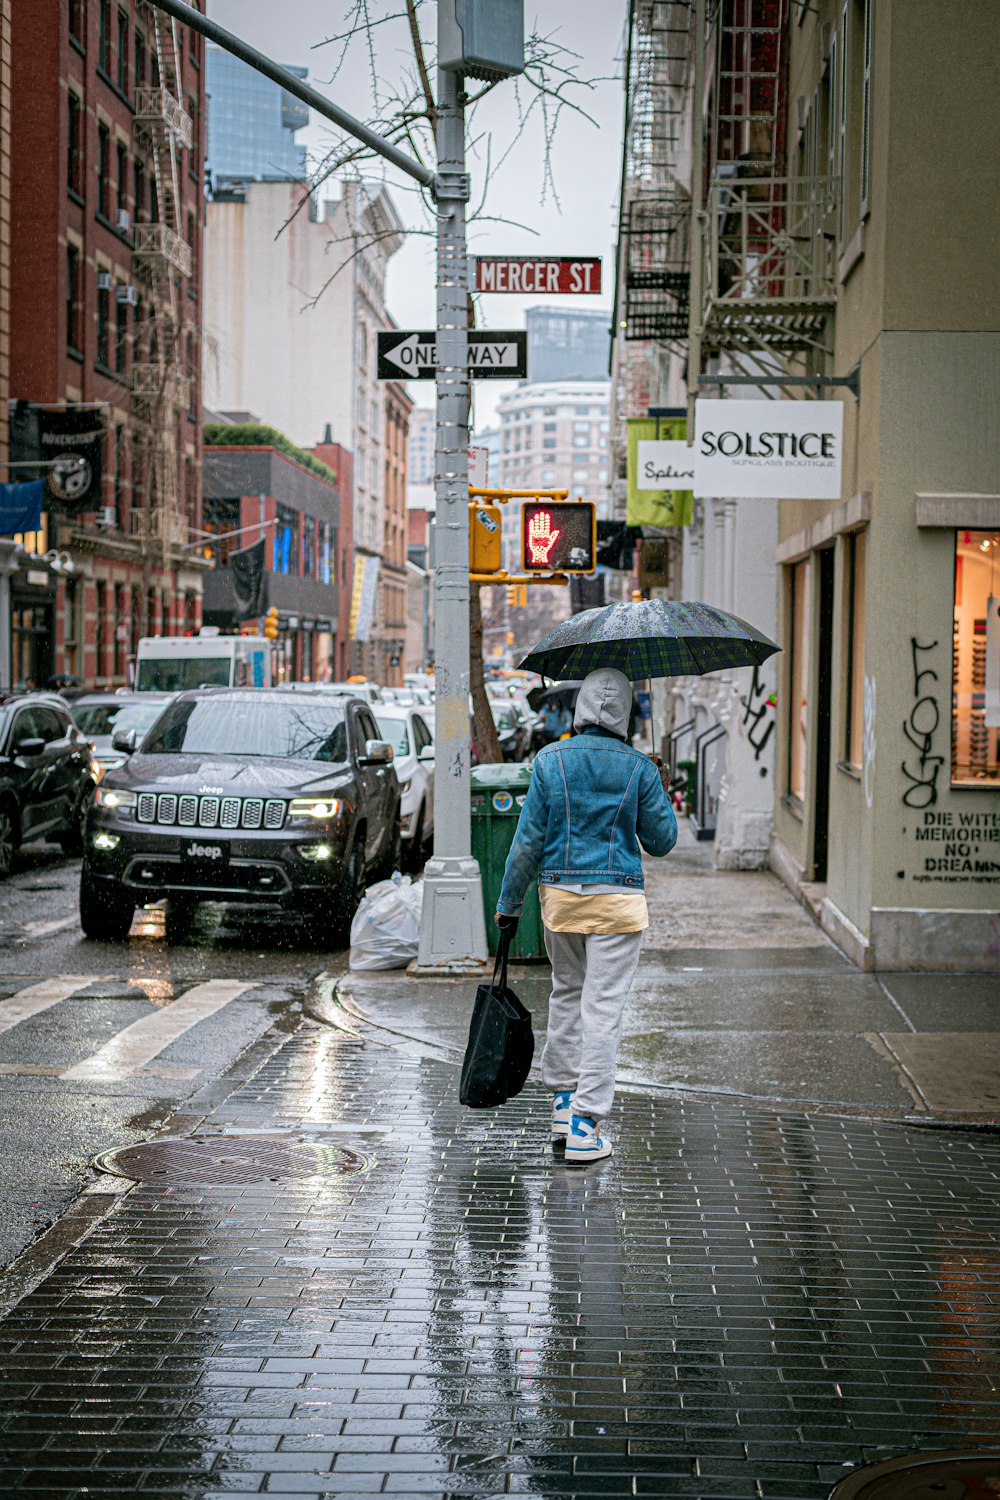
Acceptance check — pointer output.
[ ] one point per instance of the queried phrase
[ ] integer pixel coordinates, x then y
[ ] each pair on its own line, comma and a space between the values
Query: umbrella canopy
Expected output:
563, 692
650, 638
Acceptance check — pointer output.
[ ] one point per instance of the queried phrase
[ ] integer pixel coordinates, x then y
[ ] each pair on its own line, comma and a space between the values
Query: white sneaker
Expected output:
562, 1109
585, 1142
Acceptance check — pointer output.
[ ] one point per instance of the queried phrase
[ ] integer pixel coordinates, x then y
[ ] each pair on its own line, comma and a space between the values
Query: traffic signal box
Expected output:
558, 537
271, 623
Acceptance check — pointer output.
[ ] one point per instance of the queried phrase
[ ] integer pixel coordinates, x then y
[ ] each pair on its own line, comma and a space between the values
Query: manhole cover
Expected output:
229, 1160
926, 1476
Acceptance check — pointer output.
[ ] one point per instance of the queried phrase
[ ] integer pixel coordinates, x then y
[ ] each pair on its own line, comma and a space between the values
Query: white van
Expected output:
171, 663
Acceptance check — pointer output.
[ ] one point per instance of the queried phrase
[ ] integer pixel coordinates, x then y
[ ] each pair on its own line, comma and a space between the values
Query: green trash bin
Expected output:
498, 794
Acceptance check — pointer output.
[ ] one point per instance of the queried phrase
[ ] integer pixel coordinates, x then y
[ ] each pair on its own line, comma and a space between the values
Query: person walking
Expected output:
592, 802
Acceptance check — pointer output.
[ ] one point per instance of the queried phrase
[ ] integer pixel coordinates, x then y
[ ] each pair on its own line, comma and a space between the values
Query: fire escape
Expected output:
653, 272
768, 284
161, 258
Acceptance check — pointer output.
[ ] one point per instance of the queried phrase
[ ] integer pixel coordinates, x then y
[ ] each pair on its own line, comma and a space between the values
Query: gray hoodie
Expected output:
605, 698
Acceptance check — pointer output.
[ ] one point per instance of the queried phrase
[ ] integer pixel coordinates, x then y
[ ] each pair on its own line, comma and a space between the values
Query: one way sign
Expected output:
492, 356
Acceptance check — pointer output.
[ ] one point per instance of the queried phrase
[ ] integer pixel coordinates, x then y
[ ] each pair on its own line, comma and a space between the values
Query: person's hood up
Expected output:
605, 699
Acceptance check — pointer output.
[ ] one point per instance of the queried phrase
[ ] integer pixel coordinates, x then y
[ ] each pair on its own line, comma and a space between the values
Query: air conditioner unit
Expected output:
104, 281
107, 515
127, 294
123, 220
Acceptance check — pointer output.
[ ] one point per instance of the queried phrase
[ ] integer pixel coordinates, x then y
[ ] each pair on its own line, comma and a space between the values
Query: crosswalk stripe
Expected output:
39, 997
42, 929
139, 1043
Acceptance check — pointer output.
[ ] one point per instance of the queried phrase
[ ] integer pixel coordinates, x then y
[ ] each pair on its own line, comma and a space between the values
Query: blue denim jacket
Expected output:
593, 800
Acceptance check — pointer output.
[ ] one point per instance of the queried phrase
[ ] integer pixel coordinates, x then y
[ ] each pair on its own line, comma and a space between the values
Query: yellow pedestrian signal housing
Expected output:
271, 623
559, 536
485, 535
511, 595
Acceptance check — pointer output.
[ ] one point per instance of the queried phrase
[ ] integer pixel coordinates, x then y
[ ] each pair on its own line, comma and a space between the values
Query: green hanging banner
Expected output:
650, 501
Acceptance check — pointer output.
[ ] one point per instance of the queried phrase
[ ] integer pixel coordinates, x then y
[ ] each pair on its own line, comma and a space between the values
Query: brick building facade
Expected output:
107, 151
391, 632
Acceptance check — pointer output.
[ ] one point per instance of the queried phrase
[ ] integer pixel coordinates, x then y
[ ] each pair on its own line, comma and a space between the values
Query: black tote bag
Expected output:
501, 1042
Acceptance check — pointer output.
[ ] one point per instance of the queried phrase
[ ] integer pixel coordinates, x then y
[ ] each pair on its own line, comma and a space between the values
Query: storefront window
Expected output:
975, 715
798, 716
856, 544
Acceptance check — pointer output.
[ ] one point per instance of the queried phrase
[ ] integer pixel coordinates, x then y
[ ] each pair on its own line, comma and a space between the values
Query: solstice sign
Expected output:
778, 450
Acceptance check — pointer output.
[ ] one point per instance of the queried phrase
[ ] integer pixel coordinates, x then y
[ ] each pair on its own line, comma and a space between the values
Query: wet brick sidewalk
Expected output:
740, 1304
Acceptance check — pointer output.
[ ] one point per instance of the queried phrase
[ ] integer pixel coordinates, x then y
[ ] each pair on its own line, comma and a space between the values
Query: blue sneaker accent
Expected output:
562, 1102
585, 1142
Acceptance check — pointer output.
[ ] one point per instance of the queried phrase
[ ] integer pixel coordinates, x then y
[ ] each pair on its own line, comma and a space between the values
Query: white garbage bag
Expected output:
385, 932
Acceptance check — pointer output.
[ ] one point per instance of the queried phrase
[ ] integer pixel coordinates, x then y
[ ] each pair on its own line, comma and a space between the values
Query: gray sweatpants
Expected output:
592, 974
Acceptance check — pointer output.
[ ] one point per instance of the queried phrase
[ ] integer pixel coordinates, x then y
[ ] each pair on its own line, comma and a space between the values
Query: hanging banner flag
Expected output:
74, 437
248, 580
777, 450
654, 500
363, 596
21, 507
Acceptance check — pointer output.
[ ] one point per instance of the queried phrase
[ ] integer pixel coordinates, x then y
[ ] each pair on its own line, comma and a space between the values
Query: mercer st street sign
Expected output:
565, 274
492, 356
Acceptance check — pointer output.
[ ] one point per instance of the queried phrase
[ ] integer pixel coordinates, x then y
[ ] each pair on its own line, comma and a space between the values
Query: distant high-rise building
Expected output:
565, 345
251, 123
422, 437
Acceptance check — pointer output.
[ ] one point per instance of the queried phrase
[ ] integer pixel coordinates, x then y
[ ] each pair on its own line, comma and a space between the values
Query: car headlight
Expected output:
115, 800
317, 853
313, 809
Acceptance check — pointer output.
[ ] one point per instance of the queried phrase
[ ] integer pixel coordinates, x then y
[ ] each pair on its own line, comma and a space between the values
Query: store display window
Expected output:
975, 715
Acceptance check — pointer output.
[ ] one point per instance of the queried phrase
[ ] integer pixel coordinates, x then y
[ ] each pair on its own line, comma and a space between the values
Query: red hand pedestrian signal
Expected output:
558, 536
542, 537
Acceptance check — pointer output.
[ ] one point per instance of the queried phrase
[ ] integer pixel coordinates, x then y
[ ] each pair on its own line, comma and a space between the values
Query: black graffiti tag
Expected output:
755, 707
920, 729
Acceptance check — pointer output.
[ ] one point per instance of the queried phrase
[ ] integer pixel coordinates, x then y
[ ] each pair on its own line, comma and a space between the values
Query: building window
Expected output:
101, 633
104, 36
122, 153
103, 302
121, 334
78, 21
548, 442
104, 171
286, 542
121, 630
867, 24
309, 547
580, 476
122, 75
139, 190
581, 442
548, 476
798, 672
854, 724
71, 596
139, 63
548, 426
74, 145
975, 714
74, 321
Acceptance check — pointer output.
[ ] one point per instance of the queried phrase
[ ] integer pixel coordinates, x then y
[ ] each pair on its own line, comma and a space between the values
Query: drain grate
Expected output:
230, 1160
966, 1475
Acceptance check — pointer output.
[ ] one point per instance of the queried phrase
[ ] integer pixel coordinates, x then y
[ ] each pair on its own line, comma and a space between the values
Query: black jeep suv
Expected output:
46, 775
278, 801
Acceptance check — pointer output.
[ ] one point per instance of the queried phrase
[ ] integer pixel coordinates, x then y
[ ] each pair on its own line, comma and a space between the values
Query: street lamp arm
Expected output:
281, 76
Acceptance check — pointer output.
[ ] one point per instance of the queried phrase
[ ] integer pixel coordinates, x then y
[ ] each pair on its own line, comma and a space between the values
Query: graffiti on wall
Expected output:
920, 726
758, 716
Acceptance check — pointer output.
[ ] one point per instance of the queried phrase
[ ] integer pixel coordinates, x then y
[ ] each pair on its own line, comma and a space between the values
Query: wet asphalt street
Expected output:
94, 1050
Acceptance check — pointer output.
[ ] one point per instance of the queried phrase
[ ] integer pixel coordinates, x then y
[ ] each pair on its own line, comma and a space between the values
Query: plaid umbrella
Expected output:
650, 638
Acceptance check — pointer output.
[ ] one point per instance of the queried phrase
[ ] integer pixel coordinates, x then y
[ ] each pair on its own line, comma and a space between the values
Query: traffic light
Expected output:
484, 538
511, 595
271, 623
559, 536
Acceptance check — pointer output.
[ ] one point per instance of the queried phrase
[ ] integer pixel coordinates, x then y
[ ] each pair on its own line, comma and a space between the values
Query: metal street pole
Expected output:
452, 928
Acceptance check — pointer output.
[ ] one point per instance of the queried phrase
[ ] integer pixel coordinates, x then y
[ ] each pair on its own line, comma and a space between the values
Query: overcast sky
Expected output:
585, 157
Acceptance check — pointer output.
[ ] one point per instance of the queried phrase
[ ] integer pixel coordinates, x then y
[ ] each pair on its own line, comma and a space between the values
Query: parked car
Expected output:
100, 716
513, 732
252, 797
46, 775
408, 733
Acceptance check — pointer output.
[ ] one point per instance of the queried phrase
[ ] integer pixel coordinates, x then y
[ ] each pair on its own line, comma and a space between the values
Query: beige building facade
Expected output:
888, 809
